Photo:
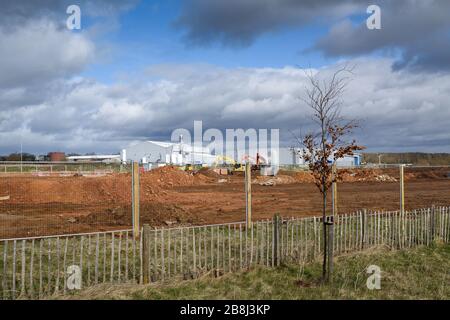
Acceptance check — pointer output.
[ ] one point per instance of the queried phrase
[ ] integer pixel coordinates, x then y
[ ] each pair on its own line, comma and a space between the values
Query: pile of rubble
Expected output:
364, 175
275, 180
170, 176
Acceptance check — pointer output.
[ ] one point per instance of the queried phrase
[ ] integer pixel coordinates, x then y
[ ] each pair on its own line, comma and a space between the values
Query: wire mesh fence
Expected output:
70, 201
62, 198
59, 168
42, 267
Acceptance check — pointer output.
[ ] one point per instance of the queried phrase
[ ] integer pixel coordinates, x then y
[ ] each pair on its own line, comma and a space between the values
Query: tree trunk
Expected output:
330, 233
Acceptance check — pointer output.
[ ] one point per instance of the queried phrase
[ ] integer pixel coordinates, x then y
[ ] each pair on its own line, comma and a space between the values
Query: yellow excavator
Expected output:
224, 160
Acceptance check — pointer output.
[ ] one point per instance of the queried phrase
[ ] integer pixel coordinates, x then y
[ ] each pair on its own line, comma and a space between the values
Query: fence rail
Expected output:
59, 167
41, 267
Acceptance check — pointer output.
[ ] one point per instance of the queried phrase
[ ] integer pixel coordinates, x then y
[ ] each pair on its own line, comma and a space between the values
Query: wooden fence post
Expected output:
363, 229
248, 195
334, 192
432, 223
402, 189
146, 253
275, 240
135, 198
392, 230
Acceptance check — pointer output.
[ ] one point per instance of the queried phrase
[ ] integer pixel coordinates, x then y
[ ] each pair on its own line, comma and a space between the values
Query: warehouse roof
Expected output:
176, 146
162, 144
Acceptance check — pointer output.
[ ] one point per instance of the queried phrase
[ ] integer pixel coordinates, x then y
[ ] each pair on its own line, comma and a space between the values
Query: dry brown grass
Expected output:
422, 273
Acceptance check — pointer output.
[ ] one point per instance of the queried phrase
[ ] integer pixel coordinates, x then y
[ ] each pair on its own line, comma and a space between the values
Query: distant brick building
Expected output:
56, 156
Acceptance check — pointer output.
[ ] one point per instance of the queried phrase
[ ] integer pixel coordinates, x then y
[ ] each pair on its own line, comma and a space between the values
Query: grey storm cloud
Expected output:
416, 32
238, 23
14, 12
398, 110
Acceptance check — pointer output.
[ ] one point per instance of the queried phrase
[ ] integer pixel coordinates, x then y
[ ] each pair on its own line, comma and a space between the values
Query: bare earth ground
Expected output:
169, 197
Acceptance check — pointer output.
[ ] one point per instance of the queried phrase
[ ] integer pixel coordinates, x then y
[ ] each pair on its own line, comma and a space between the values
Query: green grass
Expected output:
421, 273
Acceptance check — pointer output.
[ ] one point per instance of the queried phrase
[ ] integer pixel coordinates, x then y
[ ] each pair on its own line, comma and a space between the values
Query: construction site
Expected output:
224, 150
69, 202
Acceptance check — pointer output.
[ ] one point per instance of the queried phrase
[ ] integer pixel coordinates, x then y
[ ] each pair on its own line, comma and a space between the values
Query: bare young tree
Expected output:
322, 148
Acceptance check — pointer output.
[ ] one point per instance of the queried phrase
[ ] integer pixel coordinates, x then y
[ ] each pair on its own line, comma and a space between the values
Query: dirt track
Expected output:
56, 205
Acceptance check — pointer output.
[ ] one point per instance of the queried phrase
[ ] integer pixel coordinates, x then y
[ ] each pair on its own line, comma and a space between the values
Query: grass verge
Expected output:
421, 273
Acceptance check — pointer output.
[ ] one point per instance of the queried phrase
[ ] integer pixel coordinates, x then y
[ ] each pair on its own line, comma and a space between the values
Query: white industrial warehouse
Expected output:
179, 153
158, 152
293, 156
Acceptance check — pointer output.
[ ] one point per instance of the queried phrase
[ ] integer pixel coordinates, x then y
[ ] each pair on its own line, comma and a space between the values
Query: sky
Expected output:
137, 70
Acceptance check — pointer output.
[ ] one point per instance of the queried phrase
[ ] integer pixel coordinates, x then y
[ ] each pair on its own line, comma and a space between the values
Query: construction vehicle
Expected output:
259, 162
224, 160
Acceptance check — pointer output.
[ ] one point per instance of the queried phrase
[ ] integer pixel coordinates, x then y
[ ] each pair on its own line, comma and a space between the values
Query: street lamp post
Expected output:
21, 157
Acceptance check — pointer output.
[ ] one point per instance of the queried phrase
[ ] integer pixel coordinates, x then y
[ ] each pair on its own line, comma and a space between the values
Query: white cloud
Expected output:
399, 110
40, 51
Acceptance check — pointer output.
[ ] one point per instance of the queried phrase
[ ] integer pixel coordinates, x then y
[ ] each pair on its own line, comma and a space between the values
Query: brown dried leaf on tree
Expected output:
317, 155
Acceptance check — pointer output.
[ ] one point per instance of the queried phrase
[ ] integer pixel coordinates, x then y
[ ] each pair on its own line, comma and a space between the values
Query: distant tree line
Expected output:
415, 158
16, 157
